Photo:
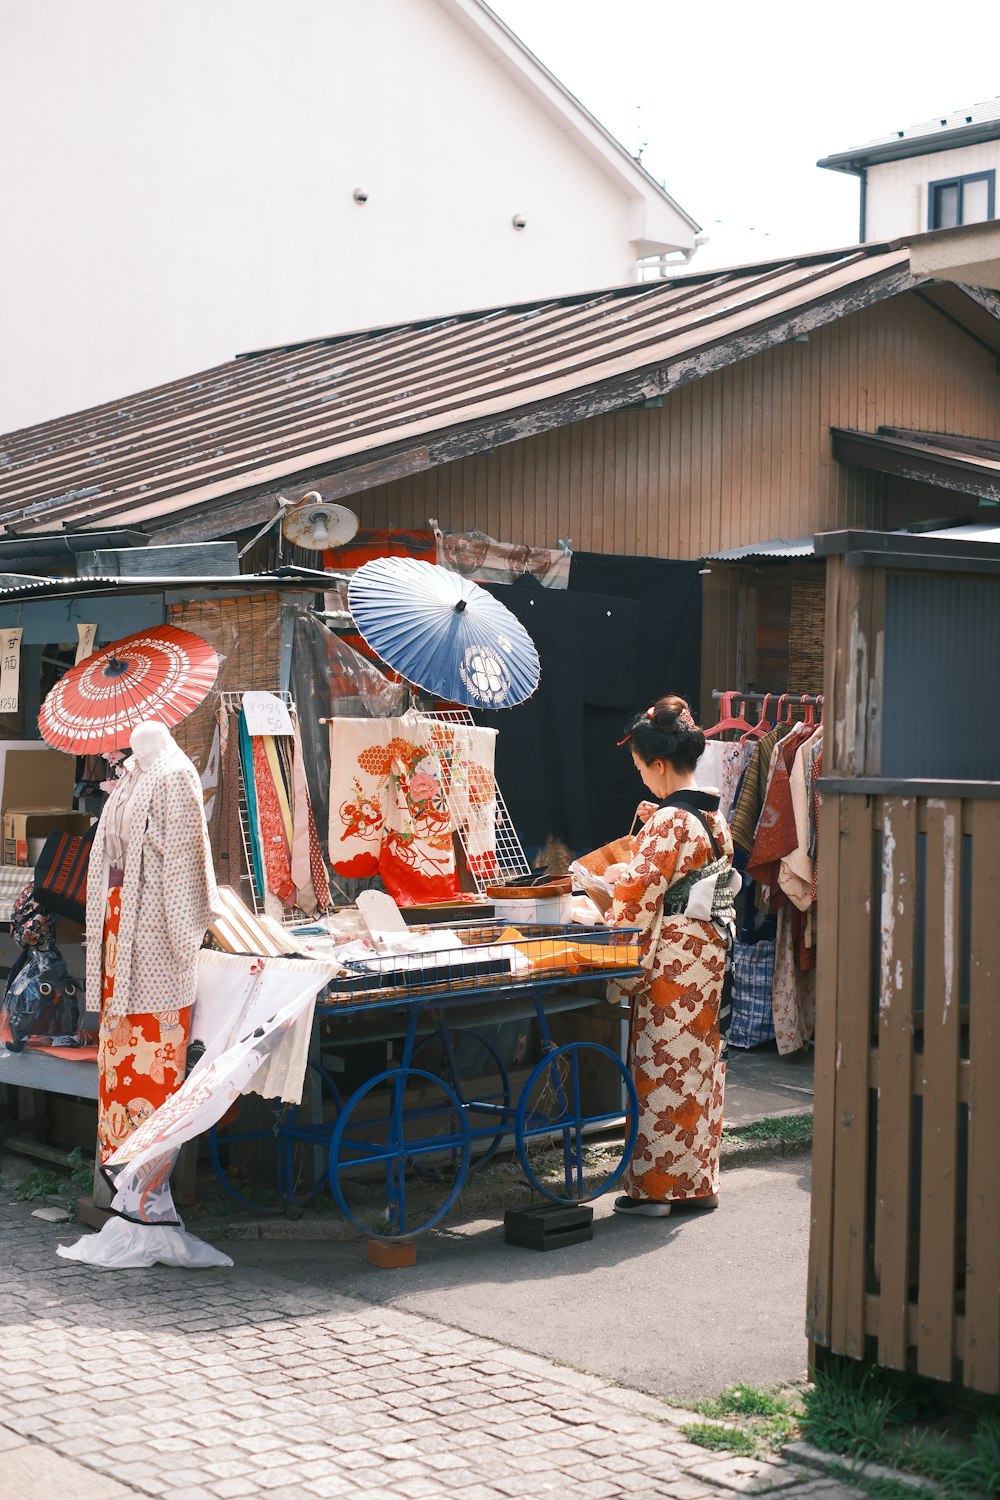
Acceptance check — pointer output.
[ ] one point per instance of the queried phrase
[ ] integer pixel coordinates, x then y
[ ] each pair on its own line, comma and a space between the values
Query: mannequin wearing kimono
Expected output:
150, 896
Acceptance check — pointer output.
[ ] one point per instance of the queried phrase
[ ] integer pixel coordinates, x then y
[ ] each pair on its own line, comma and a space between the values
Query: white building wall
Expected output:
180, 185
897, 190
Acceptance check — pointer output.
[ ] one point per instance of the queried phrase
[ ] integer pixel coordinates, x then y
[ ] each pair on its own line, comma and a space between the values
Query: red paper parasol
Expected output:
161, 674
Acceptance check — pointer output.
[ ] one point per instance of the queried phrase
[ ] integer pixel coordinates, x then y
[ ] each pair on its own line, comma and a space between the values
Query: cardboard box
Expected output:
22, 824
37, 779
37, 798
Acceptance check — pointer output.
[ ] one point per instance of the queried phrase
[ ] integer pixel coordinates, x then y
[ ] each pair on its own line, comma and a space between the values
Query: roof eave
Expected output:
598, 142
860, 158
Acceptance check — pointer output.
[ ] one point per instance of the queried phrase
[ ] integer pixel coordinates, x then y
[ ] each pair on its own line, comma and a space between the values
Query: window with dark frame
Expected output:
952, 201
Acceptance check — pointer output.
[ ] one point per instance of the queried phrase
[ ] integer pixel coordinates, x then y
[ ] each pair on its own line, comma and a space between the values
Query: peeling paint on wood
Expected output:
887, 925
948, 853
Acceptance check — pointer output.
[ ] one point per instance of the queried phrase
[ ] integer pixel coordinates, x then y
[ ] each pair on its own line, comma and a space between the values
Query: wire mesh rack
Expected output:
486, 957
475, 833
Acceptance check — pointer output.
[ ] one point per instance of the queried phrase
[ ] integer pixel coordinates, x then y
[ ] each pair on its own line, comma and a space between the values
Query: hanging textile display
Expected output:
394, 785
466, 756
478, 556
774, 821
287, 867
388, 811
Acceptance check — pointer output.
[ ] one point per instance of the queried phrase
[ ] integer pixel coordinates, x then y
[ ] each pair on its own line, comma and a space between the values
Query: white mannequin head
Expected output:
149, 740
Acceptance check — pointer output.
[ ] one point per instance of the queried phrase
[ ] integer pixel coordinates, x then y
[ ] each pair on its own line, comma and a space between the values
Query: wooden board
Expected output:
939, 1135
981, 1354
897, 922
850, 1152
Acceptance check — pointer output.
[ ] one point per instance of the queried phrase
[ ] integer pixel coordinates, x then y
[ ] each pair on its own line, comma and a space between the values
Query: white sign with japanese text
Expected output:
10, 670
266, 714
85, 647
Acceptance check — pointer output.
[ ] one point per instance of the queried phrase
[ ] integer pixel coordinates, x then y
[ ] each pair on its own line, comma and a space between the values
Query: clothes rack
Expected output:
232, 702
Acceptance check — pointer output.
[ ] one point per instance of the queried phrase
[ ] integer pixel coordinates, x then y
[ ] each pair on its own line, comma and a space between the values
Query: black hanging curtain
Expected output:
626, 631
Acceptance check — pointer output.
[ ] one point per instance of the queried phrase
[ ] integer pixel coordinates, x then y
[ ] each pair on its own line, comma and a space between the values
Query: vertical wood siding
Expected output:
905, 1242
740, 456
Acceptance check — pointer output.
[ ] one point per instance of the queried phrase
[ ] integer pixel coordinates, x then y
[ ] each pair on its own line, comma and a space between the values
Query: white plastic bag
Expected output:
122, 1245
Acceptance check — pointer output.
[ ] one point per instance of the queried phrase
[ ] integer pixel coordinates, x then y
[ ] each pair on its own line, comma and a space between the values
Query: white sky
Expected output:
739, 100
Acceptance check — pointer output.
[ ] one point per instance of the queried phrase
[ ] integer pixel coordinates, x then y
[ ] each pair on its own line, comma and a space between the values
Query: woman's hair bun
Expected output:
667, 731
670, 711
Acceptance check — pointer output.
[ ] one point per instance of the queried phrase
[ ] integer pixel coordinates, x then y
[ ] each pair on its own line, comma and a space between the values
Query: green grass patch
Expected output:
793, 1129
722, 1439
759, 1421
921, 1427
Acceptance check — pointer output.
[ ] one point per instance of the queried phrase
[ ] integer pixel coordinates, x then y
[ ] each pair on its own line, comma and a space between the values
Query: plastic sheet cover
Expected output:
329, 679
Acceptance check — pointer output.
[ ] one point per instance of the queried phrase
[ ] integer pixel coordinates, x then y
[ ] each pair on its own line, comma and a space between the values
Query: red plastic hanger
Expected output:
809, 717
763, 724
729, 720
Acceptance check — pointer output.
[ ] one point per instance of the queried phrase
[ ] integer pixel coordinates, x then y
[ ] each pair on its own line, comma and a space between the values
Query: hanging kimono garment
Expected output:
389, 814
793, 998
796, 872
141, 1062
466, 756
150, 879
721, 767
775, 834
777, 838
674, 1043
750, 799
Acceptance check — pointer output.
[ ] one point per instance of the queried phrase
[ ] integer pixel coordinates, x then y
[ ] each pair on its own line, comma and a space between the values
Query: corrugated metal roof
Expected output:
303, 579
800, 547
964, 531
242, 428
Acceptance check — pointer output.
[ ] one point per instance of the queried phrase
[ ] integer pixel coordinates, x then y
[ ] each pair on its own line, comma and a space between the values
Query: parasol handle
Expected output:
462, 604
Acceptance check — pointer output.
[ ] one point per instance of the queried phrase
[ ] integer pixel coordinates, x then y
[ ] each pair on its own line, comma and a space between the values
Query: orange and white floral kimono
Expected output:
675, 1052
141, 1061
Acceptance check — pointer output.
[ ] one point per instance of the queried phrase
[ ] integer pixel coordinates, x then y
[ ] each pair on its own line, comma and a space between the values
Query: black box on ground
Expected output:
548, 1225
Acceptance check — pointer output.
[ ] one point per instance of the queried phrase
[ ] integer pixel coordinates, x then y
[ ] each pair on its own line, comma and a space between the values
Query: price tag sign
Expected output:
266, 714
10, 670
87, 636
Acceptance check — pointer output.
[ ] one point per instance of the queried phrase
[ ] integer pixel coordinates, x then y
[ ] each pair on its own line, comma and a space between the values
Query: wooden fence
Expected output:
905, 1246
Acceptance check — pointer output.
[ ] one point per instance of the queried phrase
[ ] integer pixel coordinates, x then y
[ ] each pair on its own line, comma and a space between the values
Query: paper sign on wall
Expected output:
10, 670
87, 636
266, 714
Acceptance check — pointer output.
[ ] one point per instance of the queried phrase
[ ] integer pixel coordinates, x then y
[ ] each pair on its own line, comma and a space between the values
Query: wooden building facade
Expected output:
678, 420
904, 1261
732, 459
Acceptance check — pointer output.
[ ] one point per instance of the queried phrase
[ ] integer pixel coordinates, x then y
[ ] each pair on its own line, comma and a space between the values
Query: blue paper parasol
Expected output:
442, 633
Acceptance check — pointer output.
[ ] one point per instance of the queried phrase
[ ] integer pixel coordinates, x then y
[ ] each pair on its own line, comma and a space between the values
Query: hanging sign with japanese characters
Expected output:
10, 670
87, 635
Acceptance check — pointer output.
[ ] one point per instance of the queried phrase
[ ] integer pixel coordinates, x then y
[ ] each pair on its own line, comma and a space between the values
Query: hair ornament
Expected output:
685, 720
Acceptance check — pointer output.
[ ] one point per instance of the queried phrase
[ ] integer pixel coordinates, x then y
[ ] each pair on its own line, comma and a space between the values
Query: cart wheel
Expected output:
550, 1106
268, 1155
472, 1067
400, 1118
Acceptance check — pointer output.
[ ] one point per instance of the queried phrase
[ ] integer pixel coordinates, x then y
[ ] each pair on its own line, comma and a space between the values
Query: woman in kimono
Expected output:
678, 889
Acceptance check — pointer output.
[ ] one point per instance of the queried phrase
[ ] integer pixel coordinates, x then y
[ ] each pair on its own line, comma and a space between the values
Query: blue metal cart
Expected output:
397, 1151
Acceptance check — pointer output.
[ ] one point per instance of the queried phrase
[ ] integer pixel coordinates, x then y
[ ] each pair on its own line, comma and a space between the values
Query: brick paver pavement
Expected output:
215, 1385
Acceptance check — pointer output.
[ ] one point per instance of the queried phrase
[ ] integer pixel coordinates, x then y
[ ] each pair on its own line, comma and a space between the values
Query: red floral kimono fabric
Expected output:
141, 1057
674, 1044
